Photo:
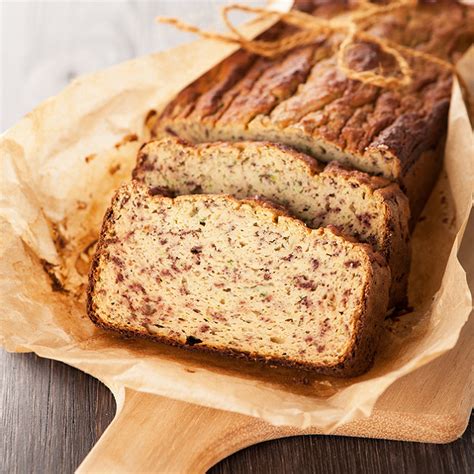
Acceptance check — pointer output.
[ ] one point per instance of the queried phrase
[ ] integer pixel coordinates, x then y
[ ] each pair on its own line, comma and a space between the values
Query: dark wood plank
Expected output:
52, 414
331, 454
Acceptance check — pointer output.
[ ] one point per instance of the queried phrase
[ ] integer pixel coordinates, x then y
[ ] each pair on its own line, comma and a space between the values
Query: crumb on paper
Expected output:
56, 284
59, 238
131, 137
149, 115
150, 119
114, 168
90, 157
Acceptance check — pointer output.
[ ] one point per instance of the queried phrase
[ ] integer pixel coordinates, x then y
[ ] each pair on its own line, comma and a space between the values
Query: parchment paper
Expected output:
59, 167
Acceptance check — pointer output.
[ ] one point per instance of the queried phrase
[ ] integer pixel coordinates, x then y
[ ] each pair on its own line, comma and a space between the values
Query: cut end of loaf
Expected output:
367, 208
237, 277
303, 99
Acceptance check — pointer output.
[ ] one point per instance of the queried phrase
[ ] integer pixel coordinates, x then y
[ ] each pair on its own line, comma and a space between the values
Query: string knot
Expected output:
311, 27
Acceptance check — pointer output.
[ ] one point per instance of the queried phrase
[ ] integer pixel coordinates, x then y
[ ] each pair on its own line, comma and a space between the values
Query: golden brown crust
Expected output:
398, 241
355, 362
303, 100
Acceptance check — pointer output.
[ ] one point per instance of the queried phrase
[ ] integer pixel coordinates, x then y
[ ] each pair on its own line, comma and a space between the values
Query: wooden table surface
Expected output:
51, 415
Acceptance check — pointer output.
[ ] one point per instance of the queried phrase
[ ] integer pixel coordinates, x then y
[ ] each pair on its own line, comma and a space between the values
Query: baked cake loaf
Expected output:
370, 209
303, 100
239, 278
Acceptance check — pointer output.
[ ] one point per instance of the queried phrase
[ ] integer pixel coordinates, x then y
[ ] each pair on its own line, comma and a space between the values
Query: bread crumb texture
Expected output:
369, 209
237, 277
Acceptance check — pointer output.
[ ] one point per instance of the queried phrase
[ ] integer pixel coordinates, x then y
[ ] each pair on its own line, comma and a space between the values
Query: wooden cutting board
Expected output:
156, 434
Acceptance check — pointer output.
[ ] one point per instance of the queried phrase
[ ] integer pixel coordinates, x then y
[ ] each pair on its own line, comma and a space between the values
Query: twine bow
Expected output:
310, 27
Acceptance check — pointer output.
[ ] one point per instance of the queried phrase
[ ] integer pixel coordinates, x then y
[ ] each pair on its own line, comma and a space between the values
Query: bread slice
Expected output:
303, 100
370, 209
237, 277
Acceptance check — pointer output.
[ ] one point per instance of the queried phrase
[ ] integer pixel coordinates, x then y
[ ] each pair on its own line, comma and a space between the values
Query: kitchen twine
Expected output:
311, 27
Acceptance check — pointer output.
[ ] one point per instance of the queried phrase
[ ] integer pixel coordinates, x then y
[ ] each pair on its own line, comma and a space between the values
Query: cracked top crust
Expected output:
303, 99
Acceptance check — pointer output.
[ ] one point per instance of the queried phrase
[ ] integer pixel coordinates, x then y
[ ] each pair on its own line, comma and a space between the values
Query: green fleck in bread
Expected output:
237, 277
368, 208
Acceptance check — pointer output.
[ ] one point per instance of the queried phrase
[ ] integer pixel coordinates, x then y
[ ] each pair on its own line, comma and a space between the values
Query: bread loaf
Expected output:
370, 209
303, 100
237, 277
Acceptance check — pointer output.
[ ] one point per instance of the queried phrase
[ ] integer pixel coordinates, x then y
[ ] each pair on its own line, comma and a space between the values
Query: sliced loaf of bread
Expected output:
370, 209
239, 278
302, 99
